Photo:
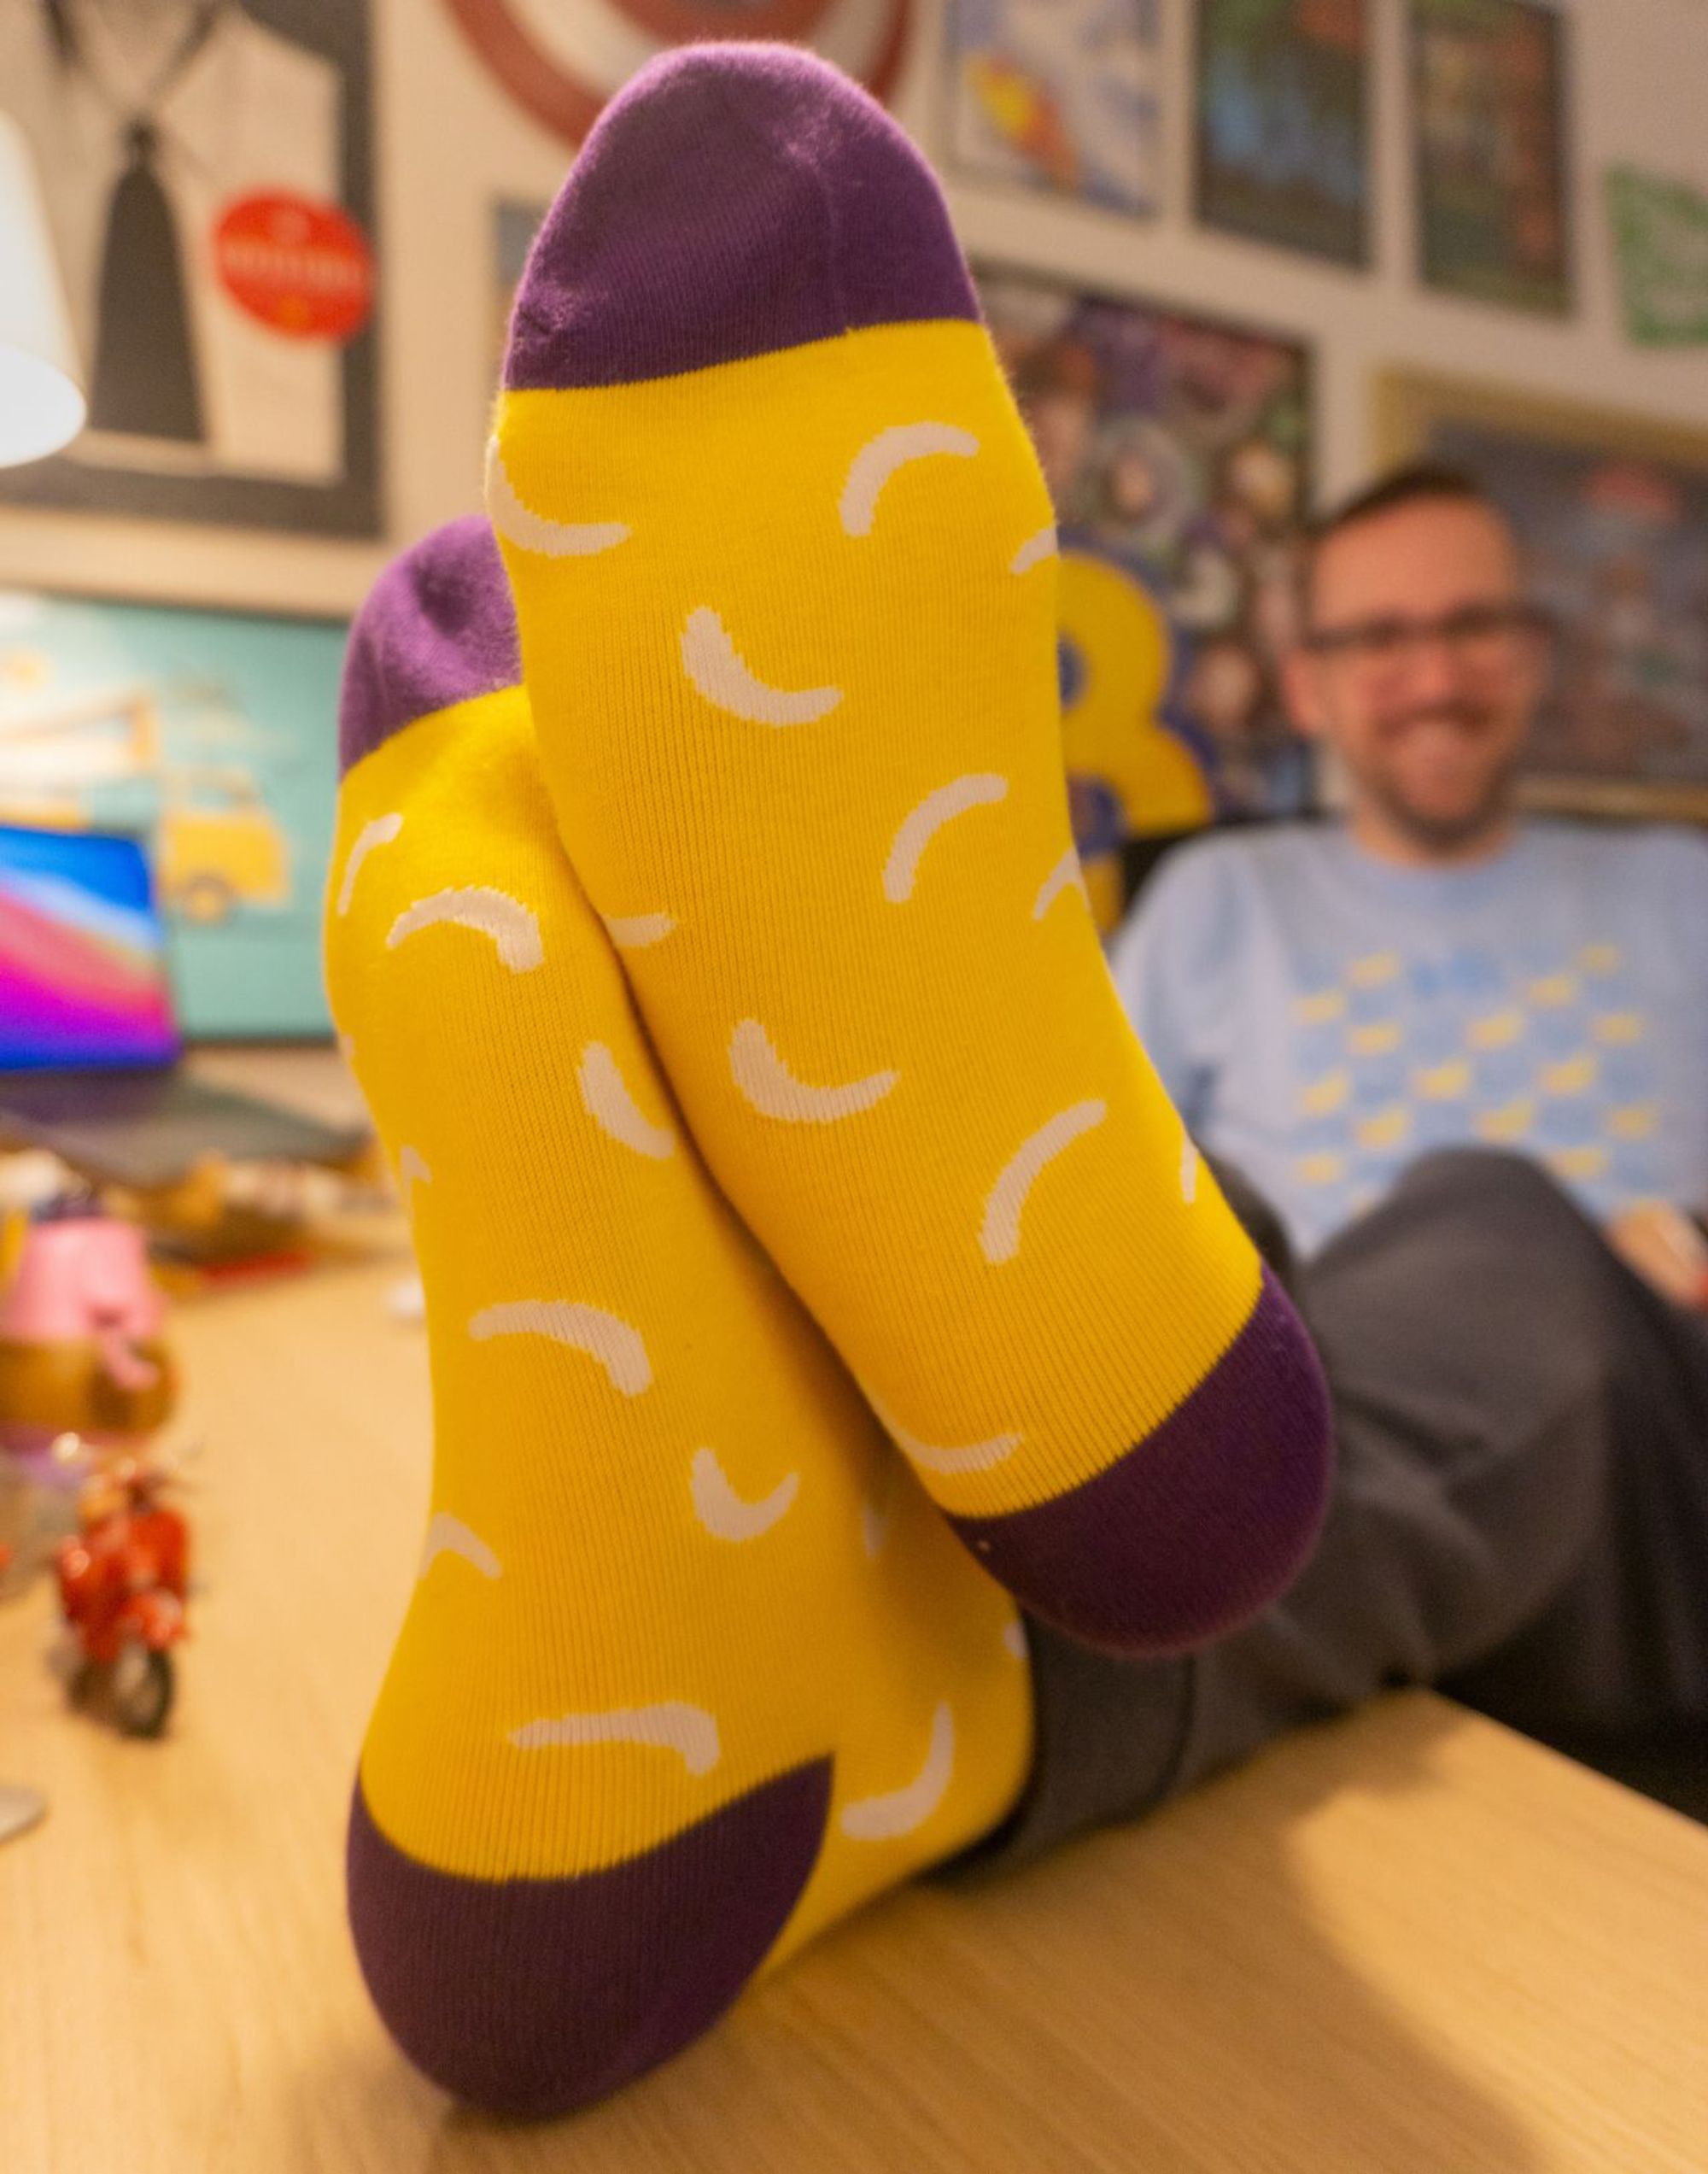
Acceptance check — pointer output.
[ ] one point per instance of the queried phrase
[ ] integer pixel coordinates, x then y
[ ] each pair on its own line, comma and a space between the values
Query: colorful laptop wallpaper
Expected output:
82, 966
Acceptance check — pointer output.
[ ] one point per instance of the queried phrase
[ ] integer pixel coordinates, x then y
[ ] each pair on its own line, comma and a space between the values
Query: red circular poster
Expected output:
562, 59
300, 267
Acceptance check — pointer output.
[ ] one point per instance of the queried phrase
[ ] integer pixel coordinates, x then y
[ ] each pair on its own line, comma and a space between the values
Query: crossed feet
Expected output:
815, 1269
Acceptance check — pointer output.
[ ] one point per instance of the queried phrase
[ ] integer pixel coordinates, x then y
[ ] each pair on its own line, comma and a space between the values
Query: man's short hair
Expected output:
1422, 483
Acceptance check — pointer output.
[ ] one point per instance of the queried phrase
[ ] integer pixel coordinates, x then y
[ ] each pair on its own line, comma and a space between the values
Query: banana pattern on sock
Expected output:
658, 1712
785, 574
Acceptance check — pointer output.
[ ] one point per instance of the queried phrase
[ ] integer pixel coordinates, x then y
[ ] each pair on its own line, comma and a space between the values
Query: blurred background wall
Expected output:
451, 144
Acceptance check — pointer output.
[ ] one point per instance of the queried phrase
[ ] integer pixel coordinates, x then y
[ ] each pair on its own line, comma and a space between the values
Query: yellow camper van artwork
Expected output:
219, 845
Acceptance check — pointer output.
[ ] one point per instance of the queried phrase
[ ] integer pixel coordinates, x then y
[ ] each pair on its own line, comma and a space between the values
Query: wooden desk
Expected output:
1407, 1944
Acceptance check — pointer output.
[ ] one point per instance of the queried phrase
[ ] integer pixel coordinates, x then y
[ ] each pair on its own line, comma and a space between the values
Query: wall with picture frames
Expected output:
1234, 253
1424, 316
452, 144
1630, 98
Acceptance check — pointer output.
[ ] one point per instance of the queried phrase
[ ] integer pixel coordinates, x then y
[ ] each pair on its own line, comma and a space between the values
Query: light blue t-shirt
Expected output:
1321, 1017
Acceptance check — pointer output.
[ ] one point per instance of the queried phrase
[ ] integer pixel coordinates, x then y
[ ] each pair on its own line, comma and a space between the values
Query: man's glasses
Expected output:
1483, 639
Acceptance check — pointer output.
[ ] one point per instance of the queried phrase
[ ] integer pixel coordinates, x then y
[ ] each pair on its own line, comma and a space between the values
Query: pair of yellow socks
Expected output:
814, 1268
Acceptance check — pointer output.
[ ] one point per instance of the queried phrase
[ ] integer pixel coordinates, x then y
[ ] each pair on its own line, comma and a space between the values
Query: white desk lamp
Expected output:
42, 406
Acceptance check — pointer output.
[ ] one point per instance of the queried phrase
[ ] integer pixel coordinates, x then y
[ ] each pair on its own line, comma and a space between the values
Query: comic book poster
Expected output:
1611, 511
1660, 230
211, 736
1282, 152
1488, 120
206, 171
1177, 449
1061, 95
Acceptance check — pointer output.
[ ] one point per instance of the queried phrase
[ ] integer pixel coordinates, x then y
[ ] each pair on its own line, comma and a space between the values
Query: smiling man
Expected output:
1459, 1051
1327, 1005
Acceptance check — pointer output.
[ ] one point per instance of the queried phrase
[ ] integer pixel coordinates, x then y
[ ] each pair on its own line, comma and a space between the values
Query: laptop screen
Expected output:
83, 972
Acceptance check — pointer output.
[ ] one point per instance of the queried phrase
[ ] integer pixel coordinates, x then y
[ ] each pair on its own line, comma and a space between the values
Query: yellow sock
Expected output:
785, 577
691, 1666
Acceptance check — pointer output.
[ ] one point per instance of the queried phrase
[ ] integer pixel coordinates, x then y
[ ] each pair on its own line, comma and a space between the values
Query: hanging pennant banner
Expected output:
562, 59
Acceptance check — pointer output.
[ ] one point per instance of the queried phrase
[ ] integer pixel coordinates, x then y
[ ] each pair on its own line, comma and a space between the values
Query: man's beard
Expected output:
1446, 834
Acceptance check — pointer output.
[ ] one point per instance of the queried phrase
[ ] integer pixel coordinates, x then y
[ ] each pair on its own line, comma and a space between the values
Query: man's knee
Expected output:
1477, 1214
1491, 1181
1478, 1289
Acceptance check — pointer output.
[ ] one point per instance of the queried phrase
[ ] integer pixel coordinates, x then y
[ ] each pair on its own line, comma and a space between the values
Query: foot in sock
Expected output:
785, 577
692, 1666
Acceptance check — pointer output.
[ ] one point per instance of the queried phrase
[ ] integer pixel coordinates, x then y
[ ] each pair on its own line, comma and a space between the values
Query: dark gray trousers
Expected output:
1520, 1515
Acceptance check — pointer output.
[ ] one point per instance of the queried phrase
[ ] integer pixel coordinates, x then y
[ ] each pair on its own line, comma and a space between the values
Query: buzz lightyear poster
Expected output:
1177, 449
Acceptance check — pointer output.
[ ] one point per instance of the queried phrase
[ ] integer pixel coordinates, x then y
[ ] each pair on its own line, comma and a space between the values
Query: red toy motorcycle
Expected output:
122, 1581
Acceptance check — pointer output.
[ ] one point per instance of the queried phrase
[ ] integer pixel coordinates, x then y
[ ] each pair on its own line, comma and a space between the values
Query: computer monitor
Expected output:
83, 967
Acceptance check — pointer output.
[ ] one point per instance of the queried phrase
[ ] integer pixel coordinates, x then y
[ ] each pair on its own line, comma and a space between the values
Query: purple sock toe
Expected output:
1208, 1519
734, 199
536, 1997
438, 627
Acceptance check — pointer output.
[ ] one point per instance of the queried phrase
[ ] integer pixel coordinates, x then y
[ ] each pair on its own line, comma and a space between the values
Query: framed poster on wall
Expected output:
1283, 134
1491, 148
514, 225
1177, 447
1060, 95
212, 736
207, 173
1611, 511
1660, 235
